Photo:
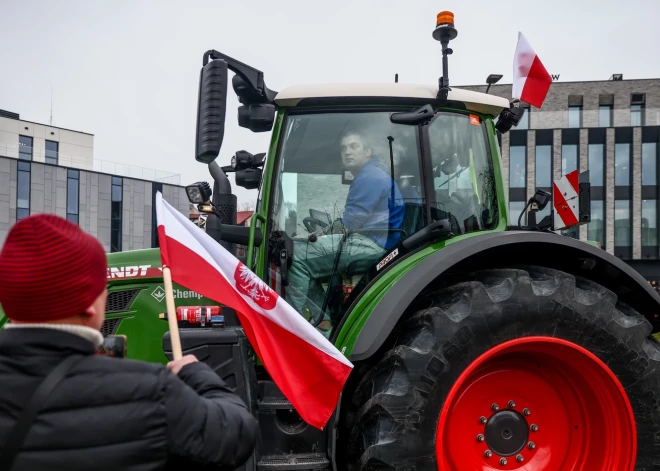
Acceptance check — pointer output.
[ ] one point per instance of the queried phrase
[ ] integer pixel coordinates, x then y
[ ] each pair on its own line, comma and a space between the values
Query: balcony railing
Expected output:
94, 165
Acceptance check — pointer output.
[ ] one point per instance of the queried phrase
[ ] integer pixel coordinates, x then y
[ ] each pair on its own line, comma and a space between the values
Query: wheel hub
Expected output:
507, 433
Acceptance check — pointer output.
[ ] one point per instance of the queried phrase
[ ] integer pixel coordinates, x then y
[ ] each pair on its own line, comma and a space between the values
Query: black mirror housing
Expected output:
211, 109
249, 178
257, 118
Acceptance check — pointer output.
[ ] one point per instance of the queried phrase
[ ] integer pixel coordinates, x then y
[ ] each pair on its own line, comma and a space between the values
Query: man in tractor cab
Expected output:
64, 407
368, 229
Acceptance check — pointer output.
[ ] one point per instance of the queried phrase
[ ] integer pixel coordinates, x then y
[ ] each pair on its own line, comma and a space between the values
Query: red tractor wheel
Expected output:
537, 403
516, 369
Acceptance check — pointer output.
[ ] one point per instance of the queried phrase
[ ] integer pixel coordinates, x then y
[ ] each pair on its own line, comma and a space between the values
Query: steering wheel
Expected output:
309, 221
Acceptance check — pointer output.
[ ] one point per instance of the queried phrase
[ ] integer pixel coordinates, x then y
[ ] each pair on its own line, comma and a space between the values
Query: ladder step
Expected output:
275, 403
293, 462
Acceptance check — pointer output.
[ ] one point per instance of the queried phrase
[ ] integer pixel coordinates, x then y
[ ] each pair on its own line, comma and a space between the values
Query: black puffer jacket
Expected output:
118, 414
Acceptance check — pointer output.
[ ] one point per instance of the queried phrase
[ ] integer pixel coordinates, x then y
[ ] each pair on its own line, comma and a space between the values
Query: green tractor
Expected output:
480, 339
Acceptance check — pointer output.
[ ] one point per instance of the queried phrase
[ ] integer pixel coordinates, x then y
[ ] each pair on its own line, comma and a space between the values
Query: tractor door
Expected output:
347, 190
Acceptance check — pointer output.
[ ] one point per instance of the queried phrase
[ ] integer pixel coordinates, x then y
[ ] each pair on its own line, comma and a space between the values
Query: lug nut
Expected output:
495, 407
512, 404
526, 412
520, 458
503, 461
488, 453
531, 445
483, 419
535, 428
480, 438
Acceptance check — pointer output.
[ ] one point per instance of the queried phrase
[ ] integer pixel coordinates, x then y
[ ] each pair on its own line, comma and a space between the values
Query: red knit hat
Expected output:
50, 269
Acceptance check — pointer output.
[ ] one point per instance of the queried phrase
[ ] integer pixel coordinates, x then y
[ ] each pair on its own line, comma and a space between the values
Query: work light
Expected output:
198, 193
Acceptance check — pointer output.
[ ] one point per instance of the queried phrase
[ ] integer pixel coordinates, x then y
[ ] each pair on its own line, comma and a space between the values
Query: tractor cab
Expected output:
353, 187
357, 177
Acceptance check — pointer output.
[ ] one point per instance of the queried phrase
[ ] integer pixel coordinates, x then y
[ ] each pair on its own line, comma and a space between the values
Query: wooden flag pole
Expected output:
171, 314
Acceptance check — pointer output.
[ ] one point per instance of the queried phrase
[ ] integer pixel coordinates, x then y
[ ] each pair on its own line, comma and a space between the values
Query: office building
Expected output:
50, 169
610, 128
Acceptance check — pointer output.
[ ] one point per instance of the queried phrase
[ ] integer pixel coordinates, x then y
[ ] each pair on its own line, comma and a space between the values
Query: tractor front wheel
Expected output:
529, 369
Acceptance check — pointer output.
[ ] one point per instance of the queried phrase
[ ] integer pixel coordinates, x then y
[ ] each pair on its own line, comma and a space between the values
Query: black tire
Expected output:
392, 414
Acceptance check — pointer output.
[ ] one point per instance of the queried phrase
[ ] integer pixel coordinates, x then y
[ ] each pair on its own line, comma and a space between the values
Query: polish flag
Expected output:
306, 367
531, 81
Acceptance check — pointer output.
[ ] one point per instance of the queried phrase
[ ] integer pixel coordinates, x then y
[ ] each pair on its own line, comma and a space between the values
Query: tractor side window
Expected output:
346, 193
463, 177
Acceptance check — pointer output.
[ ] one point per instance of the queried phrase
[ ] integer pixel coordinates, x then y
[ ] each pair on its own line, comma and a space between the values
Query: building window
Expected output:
574, 116
72, 195
605, 116
596, 228
622, 164
596, 164
524, 121
51, 152
518, 167
515, 208
155, 188
649, 166
24, 147
636, 115
622, 229
649, 229
23, 191
569, 158
116, 216
543, 166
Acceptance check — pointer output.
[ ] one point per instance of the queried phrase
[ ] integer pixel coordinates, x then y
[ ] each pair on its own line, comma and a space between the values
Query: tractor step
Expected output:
274, 403
271, 398
294, 462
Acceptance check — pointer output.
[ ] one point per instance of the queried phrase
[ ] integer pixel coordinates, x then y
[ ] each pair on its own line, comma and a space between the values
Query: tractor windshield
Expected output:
348, 189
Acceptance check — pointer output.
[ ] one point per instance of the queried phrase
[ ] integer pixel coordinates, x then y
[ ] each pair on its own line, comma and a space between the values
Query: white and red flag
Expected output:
531, 81
306, 367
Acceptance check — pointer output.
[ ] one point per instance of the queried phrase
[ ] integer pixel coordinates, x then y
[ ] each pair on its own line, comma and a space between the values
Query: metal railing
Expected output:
91, 164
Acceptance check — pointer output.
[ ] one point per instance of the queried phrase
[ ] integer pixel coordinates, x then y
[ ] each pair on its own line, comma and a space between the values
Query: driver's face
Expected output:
353, 153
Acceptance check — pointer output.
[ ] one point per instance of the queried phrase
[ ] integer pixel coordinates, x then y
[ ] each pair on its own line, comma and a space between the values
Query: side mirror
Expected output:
211, 108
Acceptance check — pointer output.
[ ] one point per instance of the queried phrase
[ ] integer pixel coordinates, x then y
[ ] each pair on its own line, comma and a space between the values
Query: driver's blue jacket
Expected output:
375, 202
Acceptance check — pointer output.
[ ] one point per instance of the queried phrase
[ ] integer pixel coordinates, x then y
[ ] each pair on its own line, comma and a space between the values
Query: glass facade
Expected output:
649, 223
52, 148
518, 167
72, 195
543, 166
569, 158
597, 164
596, 228
649, 163
23, 190
622, 228
605, 116
574, 116
24, 148
116, 214
622, 164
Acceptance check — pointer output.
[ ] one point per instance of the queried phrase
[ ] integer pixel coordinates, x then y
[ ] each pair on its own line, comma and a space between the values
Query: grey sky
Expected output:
127, 71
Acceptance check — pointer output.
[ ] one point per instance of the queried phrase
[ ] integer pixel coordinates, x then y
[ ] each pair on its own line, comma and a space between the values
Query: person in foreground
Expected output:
106, 413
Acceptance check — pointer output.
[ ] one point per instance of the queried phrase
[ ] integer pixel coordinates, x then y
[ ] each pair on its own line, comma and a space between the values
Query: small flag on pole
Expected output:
306, 367
531, 81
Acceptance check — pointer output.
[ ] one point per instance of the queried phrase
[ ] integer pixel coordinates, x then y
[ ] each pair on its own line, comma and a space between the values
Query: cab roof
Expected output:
383, 93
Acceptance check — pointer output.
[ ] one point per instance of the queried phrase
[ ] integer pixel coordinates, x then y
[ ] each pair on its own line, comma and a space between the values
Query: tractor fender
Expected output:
501, 249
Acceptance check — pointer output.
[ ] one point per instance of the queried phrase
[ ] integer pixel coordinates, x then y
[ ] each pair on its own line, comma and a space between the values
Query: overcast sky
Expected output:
127, 71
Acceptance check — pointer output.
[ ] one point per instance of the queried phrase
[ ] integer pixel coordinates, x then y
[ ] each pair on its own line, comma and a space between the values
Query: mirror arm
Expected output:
251, 75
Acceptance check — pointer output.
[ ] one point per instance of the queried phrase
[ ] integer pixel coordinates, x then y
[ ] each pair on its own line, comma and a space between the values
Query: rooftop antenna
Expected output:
51, 105
396, 78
